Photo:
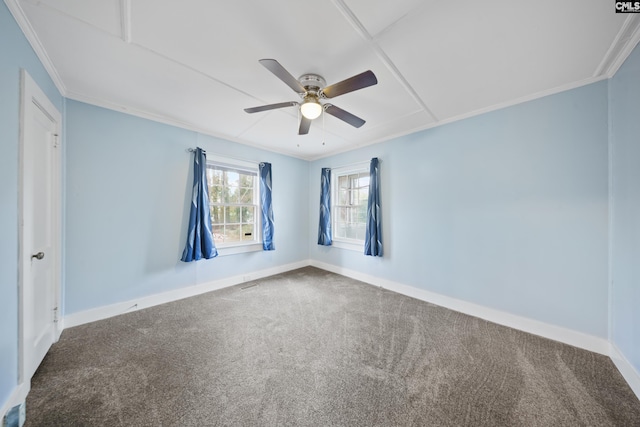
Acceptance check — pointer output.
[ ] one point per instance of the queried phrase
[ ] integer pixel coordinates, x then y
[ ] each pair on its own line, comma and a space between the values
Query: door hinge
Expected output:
56, 140
55, 315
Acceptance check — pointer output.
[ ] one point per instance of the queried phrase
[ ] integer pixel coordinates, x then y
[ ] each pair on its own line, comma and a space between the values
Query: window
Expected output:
234, 203
349, 196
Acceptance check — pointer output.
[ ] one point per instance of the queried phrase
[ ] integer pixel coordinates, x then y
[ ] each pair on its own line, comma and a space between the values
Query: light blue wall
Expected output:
507, 210
15, 53
624, 96
128, 192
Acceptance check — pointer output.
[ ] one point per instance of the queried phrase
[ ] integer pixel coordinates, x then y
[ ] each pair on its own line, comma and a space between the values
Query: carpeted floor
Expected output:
312, 348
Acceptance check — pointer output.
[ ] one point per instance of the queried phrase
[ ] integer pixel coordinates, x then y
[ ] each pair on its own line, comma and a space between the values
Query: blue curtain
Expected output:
199, 239
267, 209
324, 227
373, 235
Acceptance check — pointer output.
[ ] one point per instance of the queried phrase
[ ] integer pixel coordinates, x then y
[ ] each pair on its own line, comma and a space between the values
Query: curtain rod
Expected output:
355, 164
193, 150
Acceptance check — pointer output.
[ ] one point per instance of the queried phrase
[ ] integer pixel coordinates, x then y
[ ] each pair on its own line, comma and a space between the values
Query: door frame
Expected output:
30, 93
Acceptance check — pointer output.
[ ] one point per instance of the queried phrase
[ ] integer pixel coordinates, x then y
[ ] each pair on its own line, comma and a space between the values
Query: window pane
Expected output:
218, 234
362, 214
351, 231
363, 180
363, 195
233, 178
232, 214
246, 181
231, 195
217, 214
248, 214
215, 176
232, 233
342, 198
246, 195
248, 232
343, 182
353, 181
216, 194
360, 231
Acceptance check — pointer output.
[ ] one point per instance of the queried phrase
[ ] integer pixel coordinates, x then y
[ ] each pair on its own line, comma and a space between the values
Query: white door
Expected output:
40, 226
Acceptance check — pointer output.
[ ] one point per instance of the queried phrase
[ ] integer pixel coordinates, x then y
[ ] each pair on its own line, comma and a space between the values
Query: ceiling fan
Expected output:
312, 88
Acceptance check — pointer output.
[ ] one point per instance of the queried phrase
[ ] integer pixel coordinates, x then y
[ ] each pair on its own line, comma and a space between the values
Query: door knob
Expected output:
39, 255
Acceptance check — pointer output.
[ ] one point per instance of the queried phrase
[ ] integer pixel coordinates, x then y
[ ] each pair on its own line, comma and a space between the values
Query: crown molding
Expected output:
24, 24
621, 47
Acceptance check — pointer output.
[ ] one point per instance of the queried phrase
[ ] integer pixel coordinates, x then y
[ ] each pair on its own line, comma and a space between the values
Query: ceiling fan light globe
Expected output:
311, 109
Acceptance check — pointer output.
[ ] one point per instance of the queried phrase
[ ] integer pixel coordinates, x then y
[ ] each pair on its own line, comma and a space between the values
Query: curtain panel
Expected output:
373, 233
324, 226
267, 208
200, 242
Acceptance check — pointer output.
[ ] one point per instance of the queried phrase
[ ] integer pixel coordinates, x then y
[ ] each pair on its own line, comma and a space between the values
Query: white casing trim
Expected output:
112, 310
536, 327
626, 369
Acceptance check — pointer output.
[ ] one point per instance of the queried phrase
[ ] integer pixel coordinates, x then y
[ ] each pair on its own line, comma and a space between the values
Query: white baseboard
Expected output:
107, 311
18, 396
536, 327
626, 369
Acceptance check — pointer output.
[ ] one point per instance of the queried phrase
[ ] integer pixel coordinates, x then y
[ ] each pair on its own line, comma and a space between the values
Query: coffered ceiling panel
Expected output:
194, 63
377, 15
467, 55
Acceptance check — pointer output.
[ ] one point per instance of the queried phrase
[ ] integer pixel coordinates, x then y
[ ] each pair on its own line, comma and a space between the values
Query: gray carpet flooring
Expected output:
312, 348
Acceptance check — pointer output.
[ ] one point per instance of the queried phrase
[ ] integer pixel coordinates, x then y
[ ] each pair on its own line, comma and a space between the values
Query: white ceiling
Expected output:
194, 63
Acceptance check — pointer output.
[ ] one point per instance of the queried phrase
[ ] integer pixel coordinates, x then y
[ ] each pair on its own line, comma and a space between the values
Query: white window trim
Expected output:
341, 242
240, 248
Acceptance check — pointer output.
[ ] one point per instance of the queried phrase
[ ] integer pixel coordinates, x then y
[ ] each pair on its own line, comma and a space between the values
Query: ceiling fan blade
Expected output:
270, 107
343, 115
360, 81
305, 124
281, 73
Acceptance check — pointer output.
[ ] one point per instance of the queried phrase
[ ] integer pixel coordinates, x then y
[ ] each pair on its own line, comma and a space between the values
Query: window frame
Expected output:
344, 242
242, 166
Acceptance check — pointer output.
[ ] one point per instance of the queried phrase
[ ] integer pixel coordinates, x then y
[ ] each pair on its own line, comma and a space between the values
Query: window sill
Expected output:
239, 249
351, 245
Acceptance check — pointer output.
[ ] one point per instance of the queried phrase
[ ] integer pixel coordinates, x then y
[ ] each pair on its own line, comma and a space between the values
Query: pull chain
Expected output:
323, 133
298, 122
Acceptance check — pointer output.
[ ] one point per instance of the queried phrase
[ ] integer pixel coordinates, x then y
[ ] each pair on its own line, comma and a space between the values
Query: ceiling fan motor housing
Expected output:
312, 83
